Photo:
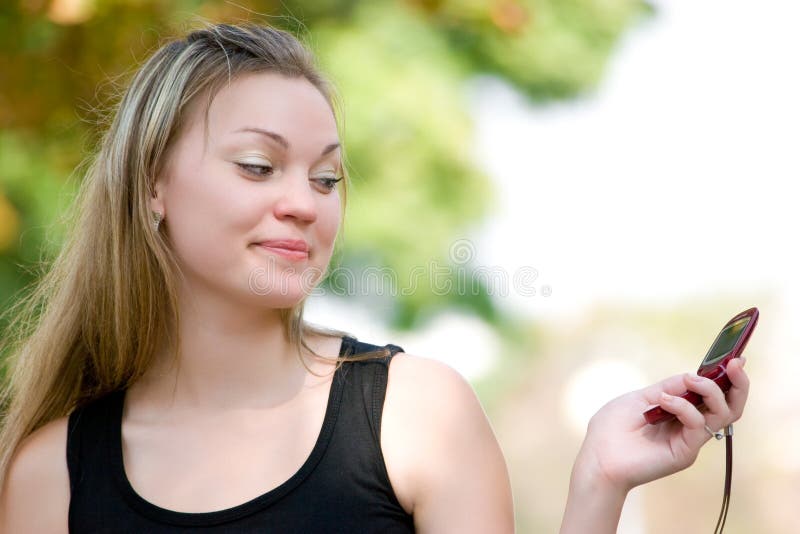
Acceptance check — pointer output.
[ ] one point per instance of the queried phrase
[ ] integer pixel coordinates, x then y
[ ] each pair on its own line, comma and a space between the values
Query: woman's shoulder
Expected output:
439, 447
36, 492
432, 396
415, 380
427, 380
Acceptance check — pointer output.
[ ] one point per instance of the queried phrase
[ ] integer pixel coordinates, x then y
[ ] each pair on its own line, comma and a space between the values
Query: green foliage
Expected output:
408, 133
398, 65
548, 49
29, 178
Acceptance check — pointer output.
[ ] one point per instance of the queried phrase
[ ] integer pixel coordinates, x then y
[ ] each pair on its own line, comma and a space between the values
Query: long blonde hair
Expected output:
94, 321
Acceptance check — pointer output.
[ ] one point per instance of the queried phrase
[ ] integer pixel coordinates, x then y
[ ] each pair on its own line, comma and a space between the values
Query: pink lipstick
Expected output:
293, 249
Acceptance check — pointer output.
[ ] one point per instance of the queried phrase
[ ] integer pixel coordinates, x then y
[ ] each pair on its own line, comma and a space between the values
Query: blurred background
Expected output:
563, 199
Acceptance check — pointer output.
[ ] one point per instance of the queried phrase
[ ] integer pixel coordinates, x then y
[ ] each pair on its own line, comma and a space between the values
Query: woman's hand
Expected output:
627, 451
621, 450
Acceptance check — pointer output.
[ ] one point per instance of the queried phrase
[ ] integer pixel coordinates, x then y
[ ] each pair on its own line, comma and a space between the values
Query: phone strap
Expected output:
726, 497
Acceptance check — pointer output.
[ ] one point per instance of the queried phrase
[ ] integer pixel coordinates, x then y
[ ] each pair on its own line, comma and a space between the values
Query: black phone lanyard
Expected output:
726, 496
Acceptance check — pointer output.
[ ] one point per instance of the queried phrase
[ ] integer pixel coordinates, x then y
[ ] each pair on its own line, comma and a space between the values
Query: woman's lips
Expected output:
288, 253
292, 249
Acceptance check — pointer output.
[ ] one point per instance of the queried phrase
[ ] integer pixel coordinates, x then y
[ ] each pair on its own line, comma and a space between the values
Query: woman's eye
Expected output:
256, 169
329, 183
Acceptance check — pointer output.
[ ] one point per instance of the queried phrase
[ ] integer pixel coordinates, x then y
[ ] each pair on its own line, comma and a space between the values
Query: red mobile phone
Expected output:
729, 344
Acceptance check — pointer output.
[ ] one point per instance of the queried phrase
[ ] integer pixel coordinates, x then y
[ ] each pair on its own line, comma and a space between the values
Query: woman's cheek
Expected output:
210, 230
329, 228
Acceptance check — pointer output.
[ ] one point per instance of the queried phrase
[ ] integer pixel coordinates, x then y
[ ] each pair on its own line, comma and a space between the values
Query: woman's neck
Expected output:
231, 356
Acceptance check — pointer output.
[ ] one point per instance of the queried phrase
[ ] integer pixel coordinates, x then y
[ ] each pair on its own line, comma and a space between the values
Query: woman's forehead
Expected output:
291, 107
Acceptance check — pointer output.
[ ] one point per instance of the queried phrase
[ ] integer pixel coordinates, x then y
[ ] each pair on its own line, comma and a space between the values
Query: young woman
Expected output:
163, 378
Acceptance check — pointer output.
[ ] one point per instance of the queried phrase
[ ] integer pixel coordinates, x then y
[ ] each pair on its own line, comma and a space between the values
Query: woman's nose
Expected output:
296, 199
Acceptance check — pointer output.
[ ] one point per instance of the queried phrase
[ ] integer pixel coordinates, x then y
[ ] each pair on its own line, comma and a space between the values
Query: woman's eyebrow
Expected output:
281, 140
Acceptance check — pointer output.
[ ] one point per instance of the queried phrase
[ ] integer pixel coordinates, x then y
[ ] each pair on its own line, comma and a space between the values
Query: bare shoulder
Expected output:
35, 494
418, 383
440, 451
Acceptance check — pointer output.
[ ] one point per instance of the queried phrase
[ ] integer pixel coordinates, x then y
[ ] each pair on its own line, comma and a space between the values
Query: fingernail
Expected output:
693, 377
665, 397
744, 360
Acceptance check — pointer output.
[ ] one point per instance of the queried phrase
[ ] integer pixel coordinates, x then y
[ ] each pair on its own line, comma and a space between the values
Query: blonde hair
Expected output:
94, 321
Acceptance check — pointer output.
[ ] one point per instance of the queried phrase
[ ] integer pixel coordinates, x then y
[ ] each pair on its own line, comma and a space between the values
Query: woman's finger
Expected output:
673, 385
686, 412
740, 387
718, 414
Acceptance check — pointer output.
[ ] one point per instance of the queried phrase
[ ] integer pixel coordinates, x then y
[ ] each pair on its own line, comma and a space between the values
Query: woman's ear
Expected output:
157, 197
157, 206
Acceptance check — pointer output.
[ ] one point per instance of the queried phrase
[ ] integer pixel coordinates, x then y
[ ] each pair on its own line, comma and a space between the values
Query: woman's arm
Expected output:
622, 451
35, 495
443, 459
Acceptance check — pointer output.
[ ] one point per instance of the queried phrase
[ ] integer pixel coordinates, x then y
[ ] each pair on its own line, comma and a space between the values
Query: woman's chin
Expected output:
280, 295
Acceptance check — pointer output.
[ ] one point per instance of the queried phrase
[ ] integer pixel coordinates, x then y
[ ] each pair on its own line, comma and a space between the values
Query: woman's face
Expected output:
265, 172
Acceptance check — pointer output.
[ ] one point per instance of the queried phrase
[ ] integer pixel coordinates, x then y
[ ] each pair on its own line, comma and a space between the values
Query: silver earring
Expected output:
157, 217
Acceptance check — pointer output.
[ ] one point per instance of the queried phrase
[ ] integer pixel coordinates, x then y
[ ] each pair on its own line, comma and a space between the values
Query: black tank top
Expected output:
342, 487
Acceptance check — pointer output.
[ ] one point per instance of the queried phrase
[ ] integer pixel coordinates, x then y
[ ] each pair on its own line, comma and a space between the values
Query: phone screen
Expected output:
725, 341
